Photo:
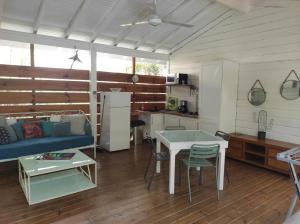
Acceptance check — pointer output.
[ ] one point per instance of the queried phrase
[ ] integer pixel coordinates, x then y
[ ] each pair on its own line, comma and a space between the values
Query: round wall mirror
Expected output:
290, 88
257, 96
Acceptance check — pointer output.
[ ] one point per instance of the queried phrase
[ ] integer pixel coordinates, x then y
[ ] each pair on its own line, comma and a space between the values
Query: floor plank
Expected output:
254, 195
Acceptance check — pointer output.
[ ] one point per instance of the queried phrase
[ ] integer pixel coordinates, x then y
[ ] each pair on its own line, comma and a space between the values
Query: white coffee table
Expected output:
43, 180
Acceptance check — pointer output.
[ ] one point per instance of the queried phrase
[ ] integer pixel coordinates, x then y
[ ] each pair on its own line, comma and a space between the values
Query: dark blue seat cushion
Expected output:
41, 145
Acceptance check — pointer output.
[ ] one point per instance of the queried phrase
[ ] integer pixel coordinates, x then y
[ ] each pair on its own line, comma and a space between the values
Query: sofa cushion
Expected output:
32, 130
2, 121
12, 134
40, 145
61, 129
47, 127
77, 123
4, 136
18, 129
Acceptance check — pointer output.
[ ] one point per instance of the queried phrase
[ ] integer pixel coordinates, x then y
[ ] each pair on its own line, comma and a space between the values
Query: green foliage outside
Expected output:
147, 69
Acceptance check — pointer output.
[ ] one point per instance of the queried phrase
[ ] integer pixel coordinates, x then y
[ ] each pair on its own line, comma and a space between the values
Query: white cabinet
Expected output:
171, 120
153, 122
218, 96
159, 121
189, 123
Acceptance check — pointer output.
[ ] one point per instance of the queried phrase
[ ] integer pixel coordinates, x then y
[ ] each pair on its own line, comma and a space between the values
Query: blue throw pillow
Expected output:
19, 129
61, 129
47, 127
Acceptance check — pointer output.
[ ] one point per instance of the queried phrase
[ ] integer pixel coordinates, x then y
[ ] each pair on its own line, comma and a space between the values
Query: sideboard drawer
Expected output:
272, 152
278, 164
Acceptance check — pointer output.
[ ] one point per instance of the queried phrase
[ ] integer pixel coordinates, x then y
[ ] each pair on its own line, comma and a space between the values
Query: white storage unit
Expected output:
115, 127
153, 122
218, 96
189, 123
159, 121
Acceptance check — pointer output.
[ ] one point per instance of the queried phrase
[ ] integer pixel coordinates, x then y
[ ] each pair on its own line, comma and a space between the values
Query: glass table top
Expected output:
188, 136
34, 167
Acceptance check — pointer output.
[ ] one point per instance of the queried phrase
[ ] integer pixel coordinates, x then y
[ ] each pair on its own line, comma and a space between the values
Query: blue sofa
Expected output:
33, 146
41, 145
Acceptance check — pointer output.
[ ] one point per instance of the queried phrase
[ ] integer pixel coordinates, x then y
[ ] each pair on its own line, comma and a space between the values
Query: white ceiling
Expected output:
269, 32
99, 20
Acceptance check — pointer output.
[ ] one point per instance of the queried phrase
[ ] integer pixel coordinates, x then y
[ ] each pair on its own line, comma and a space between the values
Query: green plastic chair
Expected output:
198, 158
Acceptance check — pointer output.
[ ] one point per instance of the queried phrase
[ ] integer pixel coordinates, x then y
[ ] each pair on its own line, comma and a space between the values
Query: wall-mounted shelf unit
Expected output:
192, 87
258, 152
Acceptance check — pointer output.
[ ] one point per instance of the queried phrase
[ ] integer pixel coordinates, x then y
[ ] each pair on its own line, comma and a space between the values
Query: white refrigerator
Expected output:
115, 120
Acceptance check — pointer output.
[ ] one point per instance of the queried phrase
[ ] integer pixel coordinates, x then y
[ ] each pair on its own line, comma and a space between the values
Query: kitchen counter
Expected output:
168, 112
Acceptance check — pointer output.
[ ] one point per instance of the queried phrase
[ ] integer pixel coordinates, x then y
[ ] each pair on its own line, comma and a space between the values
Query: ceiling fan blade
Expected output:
177, 24
133, 24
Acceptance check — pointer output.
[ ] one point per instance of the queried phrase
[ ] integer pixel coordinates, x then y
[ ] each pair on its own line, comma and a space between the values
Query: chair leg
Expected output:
151, 177
200, 178
217, 181
189, 183
227, 174
147, 168
179, 172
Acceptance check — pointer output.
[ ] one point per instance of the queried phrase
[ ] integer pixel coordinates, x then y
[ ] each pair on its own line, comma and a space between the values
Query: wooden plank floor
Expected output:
254, 196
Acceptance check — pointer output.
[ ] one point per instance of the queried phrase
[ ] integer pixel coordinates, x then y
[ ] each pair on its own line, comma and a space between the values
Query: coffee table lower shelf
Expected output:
45, 187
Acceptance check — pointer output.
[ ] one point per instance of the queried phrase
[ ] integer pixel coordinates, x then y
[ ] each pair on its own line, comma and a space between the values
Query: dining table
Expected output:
177, 140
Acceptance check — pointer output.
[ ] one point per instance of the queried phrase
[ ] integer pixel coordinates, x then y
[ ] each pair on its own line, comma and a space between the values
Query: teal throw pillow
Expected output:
47, 127
19, 129
61, 129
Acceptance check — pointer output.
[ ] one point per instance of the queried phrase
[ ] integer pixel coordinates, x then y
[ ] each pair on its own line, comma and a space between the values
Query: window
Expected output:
58, 57
14, 53
114, 63
151, 67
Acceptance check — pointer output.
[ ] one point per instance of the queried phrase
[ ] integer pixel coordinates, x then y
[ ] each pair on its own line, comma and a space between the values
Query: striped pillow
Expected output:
4, 136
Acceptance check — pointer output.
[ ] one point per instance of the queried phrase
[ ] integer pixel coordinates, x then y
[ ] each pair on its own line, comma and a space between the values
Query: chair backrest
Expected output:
223, 135
204, 151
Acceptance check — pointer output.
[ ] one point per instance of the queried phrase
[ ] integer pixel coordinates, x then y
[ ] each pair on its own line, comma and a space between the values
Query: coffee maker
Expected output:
183, 106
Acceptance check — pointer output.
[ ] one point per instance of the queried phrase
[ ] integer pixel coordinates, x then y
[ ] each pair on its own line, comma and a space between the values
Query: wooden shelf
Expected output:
192, 87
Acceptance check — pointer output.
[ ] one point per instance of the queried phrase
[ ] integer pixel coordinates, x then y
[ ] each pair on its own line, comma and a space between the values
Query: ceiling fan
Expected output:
75, 57
154, 19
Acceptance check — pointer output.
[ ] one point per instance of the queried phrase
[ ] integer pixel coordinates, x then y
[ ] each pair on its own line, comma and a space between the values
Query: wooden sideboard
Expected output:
258, 152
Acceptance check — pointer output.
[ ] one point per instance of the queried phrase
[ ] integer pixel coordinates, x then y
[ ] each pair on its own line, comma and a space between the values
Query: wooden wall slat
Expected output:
123, 77
17, 84
26, 97
148, 106
149, 97
37, 72
62, 98
19, 109
15, 98
132, 88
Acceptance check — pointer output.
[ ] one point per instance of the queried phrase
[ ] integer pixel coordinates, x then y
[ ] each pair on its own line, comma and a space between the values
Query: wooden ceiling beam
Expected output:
141, 16
105, 19
173, 9
74, 19
38, 17
191, 20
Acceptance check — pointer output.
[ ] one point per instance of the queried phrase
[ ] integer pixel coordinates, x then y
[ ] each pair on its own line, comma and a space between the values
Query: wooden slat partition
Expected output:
33, 94
26, 91
123, 77
149, 93
36, 72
